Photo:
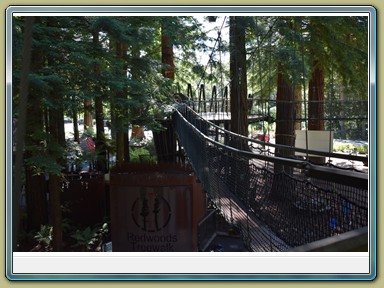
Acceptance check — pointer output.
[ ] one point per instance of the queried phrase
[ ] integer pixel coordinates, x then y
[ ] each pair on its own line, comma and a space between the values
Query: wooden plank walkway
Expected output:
259, 237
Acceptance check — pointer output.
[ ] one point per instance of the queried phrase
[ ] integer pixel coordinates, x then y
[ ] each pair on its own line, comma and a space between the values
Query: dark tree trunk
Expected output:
316, 103
285, 124
239, 169
238, 75
56, 139
112, 99
298, 107
36, 200
343, 129
56, 129
316, 98
138, 112
122, 140
100, 136
76, 135
99, 114
165, 140
168, 70
88, 123
35, 192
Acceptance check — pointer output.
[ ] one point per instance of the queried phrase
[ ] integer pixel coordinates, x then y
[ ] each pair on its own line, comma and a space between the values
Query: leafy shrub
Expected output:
44, 237
362, 149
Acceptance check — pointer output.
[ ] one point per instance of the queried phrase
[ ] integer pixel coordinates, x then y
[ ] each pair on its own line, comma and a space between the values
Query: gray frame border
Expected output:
371, 10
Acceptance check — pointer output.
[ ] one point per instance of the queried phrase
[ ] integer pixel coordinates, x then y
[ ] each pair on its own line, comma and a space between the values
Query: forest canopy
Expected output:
126, 71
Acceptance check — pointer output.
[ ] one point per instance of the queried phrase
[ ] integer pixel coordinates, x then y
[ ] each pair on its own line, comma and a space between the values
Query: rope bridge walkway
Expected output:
276, 202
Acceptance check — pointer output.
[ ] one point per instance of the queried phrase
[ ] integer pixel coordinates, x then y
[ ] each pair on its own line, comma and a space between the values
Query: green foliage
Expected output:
45, 154
350, 148
75, 154
362, 149
72, 66
87, 238
44, 237
89, 132
140, 154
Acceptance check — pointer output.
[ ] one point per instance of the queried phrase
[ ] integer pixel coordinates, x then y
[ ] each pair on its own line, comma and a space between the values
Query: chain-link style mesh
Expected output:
274, 210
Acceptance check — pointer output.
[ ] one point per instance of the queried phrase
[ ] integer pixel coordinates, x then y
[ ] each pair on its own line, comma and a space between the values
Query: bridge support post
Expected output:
165, 143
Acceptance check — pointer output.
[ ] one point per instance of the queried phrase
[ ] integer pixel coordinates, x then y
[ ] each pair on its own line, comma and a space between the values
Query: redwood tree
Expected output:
238, 76
285, 124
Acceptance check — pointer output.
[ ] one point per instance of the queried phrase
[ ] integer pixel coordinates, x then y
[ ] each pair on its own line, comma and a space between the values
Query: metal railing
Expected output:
275, 209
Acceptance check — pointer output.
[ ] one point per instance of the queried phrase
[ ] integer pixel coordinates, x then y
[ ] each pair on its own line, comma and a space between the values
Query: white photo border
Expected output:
19, 265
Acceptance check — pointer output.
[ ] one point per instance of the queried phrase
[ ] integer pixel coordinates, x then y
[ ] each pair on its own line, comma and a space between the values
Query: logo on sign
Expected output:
151, 212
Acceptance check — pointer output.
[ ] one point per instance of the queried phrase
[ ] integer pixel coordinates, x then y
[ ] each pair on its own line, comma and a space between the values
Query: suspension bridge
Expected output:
274, 194
276, 202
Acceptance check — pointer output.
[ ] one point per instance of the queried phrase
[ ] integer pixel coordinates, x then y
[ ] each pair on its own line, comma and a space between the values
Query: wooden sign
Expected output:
155, 212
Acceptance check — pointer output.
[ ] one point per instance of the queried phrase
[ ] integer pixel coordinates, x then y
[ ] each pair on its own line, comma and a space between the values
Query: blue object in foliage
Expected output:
333, 223
346, 207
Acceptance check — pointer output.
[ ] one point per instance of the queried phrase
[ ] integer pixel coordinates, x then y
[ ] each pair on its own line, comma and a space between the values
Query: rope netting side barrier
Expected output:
274, 211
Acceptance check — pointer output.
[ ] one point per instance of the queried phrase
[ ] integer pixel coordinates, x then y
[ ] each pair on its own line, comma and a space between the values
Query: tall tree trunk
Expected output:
239, 104
99, 114
138, 111
100, 136
165, 140
316, 98
113, 118
56, 120
37, 213
168, 70
113, 96
298, 107
285, 124
56, 139
316, 103
122, 140
88, 122
238, 75
21, 129
75, 126
35, 192
343, 130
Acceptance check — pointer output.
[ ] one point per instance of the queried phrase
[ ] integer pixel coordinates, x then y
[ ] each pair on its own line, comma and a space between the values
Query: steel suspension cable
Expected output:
211, 55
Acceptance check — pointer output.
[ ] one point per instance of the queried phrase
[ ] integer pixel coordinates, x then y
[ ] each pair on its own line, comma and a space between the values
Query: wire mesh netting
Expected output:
275, 209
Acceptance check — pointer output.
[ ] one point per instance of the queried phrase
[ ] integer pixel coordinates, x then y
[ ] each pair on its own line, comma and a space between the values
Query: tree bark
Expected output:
88, 123
165, 140
56, 128
238, 75
239, 168
316, 103
168, 69
35, 192
137, 132
122, 140
316, 98
138, 111
99, 115
298, 107
76, 135
285, 124
36, 200
343, 130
